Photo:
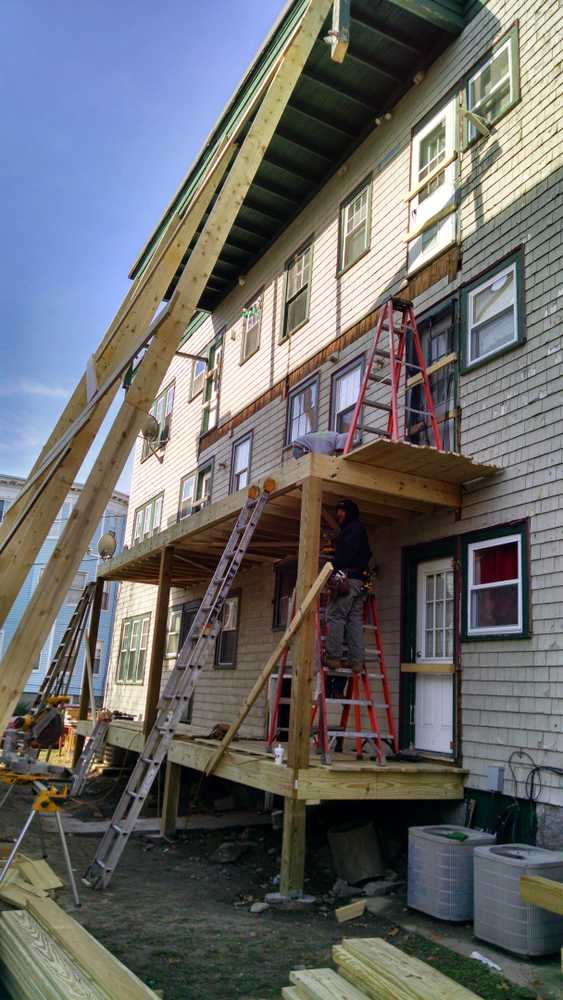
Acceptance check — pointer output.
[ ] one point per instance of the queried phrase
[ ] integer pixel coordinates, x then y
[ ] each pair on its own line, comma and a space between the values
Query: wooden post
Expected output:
43, 607
158, 648
293, 847
85, 693
172, 783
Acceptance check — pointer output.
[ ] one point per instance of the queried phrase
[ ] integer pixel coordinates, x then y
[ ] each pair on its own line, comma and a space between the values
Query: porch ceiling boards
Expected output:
331, 111
389, 481
248, 763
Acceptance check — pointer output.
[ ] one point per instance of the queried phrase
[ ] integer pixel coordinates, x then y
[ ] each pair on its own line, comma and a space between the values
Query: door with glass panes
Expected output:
434, 693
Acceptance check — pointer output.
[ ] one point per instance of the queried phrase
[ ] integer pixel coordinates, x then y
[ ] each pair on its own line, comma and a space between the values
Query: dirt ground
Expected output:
183, 924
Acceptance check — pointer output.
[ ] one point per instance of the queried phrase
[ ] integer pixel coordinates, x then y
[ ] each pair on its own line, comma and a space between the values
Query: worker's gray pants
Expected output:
345, 623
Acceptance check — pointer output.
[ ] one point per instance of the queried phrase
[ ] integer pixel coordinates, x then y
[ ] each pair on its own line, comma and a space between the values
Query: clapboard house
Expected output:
426, 164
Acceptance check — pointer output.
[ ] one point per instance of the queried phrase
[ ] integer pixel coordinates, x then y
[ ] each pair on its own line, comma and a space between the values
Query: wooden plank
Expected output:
40, 874
348, 473
171, 799
48, 596
323, 984
158, 647
350, 911
543, 892
104, 969
382, 970
427, 668
85, 692
431, 176
402, 456
448, 359
270, 666
380, 783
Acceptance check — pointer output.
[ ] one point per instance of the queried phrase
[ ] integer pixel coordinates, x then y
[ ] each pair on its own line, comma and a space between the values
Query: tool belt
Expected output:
339, 584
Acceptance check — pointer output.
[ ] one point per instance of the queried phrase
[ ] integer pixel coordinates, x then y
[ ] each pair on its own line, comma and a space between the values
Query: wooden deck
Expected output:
249, 763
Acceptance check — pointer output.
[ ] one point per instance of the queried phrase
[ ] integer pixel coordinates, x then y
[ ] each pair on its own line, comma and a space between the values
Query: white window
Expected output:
173, 629
98, 657
161, 410
345, 392
62, 517
75, 593
494, 603
302, 411
297, 291
240, 469
432, 217
492, 89
198, 376
226, 645
354, 226
133, 649
147, 519
212, 383
203, 487
436, 612
187, 487
251, 324
492, 315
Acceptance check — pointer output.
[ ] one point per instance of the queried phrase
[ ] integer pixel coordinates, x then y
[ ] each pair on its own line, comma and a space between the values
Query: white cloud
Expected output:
30, 387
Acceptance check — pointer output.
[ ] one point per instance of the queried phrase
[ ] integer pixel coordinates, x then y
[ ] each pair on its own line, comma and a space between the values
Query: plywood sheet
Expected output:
421, 460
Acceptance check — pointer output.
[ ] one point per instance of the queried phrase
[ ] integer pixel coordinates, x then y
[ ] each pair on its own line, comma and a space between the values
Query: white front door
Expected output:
434, 695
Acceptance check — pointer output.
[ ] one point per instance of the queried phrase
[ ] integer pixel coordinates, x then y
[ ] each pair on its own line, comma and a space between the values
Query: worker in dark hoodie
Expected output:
344, 616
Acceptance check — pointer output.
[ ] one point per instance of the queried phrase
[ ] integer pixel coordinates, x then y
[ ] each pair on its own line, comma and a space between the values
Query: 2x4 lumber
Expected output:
158, 647
382, 970
334, 469
543, 892
427, 668
85, 692
107, 972
435, 13
48, 596
40, 874
171, 799
323, 984
294, 821
296, 623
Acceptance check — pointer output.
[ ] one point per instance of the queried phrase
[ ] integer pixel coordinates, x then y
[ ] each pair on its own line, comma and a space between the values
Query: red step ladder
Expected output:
390, 364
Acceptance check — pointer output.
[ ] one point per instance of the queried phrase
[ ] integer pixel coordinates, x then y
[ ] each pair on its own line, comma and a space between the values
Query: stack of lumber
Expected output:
45, 954
372, 968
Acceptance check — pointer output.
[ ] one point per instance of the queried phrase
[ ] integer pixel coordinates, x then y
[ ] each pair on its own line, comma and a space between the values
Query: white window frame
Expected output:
174, 619
161, 410
149, 514
231, 602
346, 211
338, 377
472, 131
294, 397
98, 658
204, 479
198, 378
299, 269
253, 309
243, 442
187, 496
471, 294
474, 588
143, 622
441, 199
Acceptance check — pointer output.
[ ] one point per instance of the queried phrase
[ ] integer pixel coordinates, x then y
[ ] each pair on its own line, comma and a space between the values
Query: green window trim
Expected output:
515, 263
132, 656
510, 41
305, 247
367, 183
212, 384
517, 529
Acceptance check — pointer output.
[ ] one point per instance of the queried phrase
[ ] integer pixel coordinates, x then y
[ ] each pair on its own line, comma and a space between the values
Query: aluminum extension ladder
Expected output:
377, 372
58, 677
177, 693
92, 746
356, 696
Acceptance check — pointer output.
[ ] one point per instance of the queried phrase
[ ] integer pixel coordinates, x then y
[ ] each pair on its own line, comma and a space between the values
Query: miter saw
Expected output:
40, 729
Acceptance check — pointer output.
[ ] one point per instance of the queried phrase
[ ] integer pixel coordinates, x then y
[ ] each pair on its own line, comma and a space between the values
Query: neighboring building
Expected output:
343, 213
114, 519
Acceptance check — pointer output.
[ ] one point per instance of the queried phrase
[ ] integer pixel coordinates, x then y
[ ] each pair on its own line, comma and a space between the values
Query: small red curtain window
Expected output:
497, 563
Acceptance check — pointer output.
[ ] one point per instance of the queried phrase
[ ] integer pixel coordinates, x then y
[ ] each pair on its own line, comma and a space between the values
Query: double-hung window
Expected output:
161, 410
345, 391
187, 490
195, 491
77, 586
240, 464
211, 385
355, 226
493, 313
432, 198
494, 86
133, 649
302, 410
297, 290
199, 368
251, 326
496, 602
173, 631
147, 519
226, 644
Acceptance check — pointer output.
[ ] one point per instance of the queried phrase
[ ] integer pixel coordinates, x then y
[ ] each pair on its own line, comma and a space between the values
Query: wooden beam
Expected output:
333, 469
543, 892
293, 847
434, 13
340, 31
427, 668
171, 799
158, 647
295, 624
85, 693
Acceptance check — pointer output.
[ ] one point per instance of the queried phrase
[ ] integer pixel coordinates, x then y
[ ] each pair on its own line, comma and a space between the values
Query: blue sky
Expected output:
105, 103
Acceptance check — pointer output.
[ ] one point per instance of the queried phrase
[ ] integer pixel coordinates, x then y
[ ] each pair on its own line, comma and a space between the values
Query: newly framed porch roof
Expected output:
390, 481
